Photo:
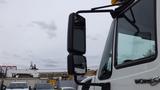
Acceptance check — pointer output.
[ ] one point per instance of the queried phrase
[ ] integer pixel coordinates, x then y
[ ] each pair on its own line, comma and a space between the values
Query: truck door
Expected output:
135, 60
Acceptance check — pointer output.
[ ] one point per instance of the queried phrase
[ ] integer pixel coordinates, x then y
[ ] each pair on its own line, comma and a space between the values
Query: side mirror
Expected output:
4, 88
76, 34
30, 88
77, 64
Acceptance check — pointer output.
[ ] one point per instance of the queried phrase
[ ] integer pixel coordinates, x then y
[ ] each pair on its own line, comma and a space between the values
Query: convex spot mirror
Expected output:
76, 34
77, 64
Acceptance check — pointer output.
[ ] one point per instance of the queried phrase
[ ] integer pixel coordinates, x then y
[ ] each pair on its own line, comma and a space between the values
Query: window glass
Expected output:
136, 33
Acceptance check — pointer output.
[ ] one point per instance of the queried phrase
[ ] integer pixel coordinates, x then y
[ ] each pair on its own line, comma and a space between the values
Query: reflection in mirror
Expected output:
80, 66
77, 64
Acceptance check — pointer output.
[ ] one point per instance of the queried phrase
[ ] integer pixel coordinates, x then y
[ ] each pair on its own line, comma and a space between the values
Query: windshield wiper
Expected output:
144, 35
132, 22
126, 61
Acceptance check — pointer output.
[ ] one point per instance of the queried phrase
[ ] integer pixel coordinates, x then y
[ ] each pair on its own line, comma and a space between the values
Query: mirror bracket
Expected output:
105, 86
94, 11
107, 6
114, 13
97, 11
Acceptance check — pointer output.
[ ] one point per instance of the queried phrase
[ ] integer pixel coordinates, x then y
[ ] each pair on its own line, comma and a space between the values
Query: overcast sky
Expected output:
36, 31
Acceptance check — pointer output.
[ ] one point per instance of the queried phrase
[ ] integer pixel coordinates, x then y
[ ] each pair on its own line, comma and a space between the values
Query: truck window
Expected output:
136, 34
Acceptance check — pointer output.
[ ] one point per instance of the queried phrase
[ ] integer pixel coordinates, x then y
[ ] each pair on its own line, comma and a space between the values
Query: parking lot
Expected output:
31, 81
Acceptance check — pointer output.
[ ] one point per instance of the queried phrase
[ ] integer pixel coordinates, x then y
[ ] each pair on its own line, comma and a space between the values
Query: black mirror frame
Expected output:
76, 22
71, 65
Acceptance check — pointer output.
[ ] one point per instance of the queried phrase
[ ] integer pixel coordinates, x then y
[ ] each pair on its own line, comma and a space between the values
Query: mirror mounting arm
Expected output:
114, 13
94, 11
97, 11
107, 6
92, 84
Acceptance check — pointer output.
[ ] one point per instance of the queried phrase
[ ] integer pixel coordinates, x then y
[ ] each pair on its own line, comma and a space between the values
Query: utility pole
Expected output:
2, 86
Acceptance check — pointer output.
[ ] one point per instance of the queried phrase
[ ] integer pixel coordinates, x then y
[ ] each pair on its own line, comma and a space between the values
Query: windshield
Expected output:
106, 66
17, 85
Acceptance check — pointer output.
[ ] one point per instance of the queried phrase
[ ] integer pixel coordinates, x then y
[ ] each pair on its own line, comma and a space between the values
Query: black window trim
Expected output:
141, 60
114, 31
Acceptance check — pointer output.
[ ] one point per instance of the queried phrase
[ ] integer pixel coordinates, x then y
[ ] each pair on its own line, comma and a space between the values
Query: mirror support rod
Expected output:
115, 12
101, 7
94, 11
92, 84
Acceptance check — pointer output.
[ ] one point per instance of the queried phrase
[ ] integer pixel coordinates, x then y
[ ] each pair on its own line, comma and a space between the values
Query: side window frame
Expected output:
141, 60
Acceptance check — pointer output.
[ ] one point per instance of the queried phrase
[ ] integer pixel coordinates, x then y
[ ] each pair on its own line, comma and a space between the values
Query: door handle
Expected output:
152, 82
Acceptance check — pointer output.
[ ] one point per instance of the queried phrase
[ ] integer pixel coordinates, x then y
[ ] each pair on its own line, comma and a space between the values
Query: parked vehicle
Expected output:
67, 88
18, 86
43, 86
87, 80
130, 60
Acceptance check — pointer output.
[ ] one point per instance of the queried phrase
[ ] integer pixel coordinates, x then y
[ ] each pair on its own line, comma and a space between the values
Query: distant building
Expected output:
22, 73
5, 68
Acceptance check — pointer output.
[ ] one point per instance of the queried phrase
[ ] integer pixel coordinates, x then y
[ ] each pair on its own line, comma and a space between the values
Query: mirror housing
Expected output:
76, 34
30, 88
77, 64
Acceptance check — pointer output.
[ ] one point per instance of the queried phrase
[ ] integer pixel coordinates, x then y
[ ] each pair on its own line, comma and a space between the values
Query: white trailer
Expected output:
130, 60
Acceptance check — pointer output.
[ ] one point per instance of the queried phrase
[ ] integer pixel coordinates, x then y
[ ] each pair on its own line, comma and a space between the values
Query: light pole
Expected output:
3, 87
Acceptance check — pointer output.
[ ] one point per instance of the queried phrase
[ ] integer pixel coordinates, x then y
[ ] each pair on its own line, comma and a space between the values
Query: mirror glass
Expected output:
80, 65
76, 34
77, 64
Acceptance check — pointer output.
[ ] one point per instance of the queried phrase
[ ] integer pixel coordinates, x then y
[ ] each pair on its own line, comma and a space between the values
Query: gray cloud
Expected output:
16, 56
93, 56
91, 59
8, 55
50, 65
3, 1
41, 63
46, 63
1, 26
5, 53
91, 37
49, 28
49, 61
51, 34
44, 25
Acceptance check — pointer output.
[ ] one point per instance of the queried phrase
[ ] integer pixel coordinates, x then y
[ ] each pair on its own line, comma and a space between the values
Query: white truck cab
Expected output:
130, 60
